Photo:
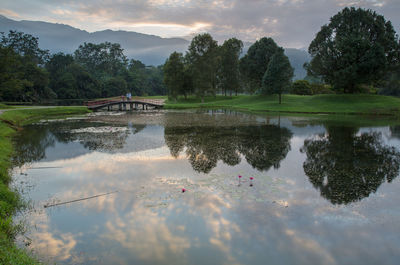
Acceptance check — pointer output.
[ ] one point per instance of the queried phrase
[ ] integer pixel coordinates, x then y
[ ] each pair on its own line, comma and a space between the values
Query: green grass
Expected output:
4, 106
10, 200
329, 104
20, 117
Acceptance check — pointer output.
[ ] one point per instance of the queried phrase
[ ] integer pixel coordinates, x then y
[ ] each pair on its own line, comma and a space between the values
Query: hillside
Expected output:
150, 49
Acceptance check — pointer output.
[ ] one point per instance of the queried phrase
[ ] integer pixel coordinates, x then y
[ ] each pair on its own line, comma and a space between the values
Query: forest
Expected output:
363, 58
30, 74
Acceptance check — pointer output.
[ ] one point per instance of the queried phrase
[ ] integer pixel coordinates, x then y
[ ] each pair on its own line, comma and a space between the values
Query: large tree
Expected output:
229, 72
174, 75
25, 45
254, 64
357, 47
278, 76
203, 56
70, 80
102, 60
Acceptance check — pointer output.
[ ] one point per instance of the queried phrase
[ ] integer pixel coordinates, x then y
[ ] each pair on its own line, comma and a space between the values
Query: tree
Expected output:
278, 76
12, 81
114, 86
25, 45
102, 60
229, 72
70, 80
202, 55
357, 47
174, 75
254, 64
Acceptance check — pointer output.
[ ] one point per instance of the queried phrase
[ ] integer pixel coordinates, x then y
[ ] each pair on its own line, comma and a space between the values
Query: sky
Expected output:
291, 23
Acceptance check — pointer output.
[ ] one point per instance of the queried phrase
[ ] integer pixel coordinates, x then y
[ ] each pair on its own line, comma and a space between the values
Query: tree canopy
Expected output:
174, 75
229, 68
254, 64
202, 55
279, 74
357, 47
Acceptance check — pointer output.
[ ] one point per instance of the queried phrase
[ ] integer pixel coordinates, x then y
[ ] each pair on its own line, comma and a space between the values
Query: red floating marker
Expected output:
183, 190
251, 178
240, 176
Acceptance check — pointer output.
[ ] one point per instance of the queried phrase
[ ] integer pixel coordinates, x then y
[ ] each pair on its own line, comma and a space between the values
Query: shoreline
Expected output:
329, 104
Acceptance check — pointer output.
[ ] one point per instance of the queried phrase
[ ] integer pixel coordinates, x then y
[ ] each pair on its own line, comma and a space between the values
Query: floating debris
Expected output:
77, 200
102, 129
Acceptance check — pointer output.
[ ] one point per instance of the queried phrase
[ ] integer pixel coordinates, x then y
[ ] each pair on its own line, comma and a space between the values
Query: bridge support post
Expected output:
124, 104
147, 107
108, 108
130, 106
142, 106
120, 106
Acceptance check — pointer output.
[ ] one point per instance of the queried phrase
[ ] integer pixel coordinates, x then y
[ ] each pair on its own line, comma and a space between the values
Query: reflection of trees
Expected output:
263, 146
107, 141
32, 142
346, 167
395, 131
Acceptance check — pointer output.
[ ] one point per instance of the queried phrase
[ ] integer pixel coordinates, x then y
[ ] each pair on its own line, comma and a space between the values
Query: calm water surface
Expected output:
324, 192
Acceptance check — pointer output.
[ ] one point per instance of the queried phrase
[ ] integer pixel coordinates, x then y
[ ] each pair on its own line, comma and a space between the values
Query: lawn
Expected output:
330, 104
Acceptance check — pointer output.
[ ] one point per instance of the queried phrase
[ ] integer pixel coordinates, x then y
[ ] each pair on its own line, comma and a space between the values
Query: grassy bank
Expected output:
4, 106
10, 201
329, 104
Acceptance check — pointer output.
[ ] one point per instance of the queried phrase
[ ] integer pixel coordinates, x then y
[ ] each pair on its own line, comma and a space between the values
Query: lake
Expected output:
108, 189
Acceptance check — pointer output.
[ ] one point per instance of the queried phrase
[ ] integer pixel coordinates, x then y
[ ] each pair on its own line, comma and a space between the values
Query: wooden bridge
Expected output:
124, 105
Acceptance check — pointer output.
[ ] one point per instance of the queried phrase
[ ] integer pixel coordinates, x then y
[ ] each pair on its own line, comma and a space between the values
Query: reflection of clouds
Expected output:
134, 225
102, 163
308, 245
147, 234
50, 243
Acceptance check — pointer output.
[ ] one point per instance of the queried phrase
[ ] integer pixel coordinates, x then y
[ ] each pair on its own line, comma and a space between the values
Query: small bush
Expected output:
321, 89
301, 87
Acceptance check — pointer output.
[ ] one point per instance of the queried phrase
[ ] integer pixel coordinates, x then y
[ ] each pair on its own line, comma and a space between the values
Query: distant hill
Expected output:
150, 49
297, 59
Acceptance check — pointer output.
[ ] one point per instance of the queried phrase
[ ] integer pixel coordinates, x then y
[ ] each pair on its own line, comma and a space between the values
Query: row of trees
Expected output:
357, 49
208, 68
28, 73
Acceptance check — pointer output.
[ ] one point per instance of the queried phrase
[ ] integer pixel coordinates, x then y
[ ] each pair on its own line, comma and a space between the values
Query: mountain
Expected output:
297, 59
150, 49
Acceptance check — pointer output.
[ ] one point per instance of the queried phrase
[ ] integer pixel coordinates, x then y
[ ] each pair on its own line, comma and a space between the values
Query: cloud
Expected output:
292, 23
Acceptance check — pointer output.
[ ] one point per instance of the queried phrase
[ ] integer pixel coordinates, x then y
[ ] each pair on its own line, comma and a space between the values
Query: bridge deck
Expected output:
95, 105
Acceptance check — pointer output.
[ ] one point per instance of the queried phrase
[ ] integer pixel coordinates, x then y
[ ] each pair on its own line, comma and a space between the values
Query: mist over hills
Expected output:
150, 49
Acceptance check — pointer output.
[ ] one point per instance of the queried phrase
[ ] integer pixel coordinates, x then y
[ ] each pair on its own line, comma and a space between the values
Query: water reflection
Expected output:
395, 131
263, 146
287, 217
33, 142
346, 166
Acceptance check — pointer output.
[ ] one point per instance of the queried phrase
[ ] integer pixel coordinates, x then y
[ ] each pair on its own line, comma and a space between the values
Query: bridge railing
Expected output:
135, 99
99, 102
